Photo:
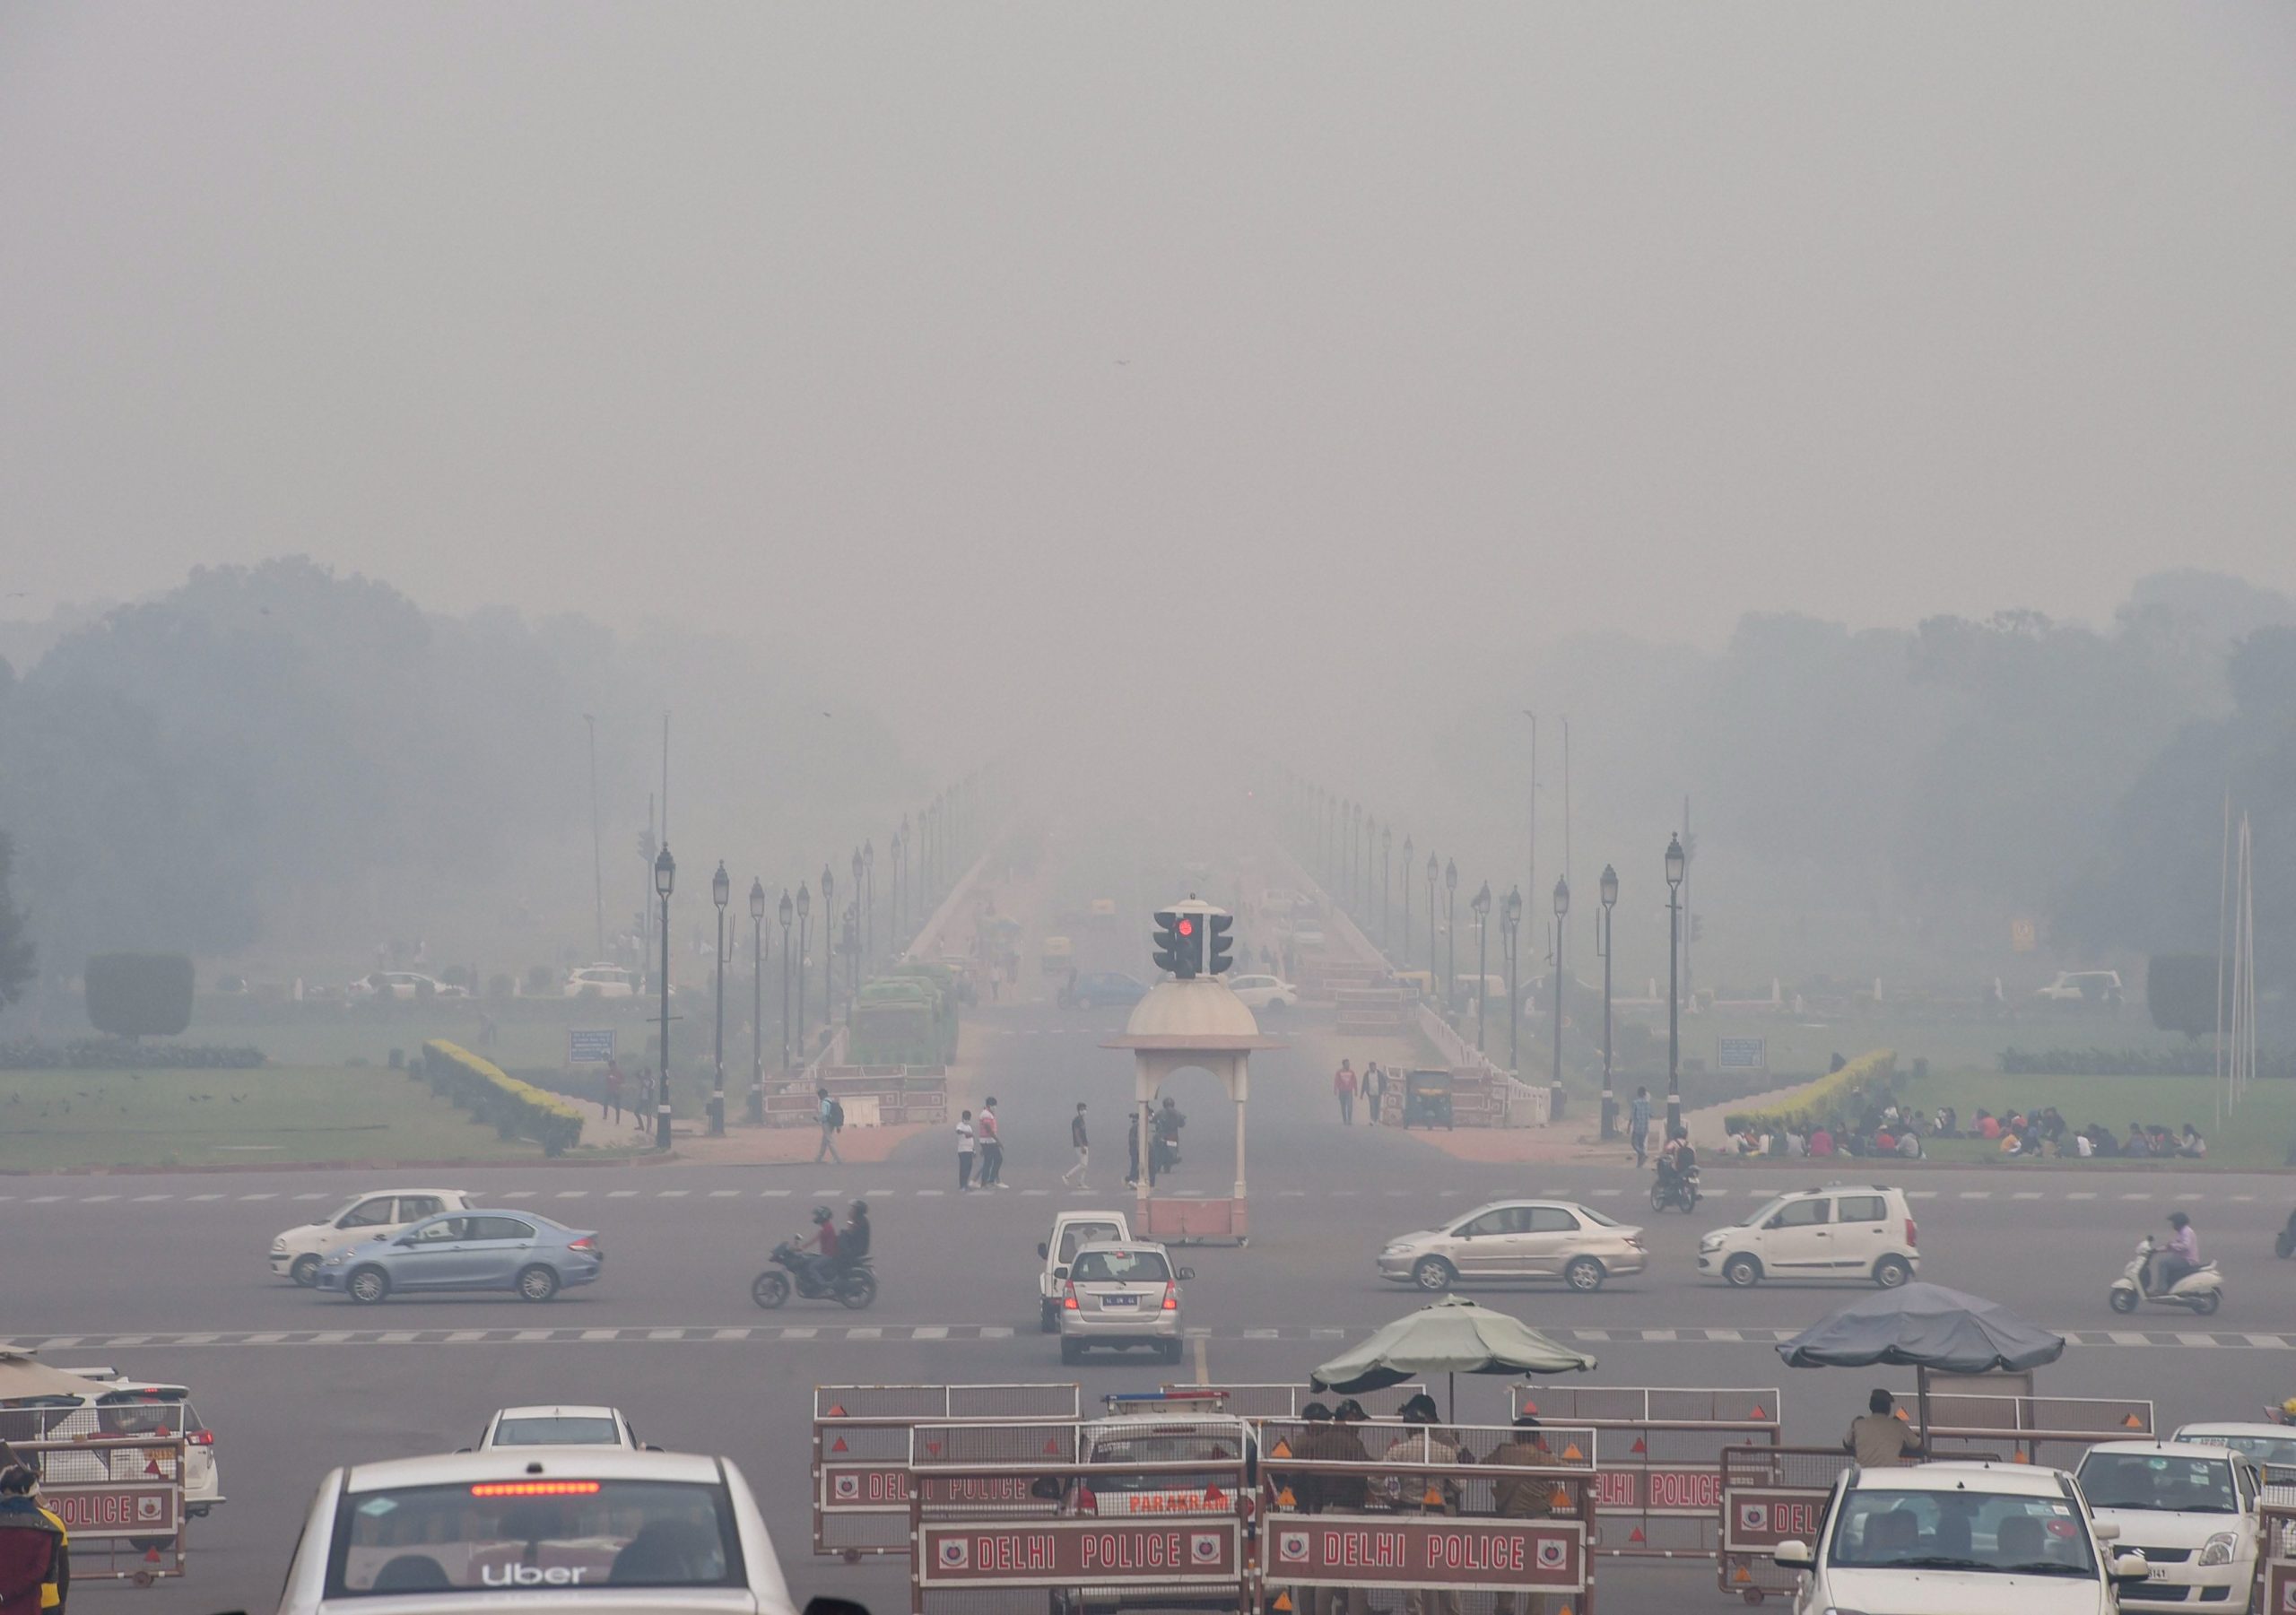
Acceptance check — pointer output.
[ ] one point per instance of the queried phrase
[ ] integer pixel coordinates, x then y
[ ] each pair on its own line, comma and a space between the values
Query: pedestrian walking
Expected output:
1342, 1088
967, 1144
1637, 1126
612, 1098
831, 1115
1131, 1147
1375, 1089
992, 1146
1083, 1143
645, 1094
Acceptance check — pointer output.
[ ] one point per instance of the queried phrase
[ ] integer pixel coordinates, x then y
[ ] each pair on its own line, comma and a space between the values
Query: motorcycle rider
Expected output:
1676, 1162
822, 1269
2181, 1258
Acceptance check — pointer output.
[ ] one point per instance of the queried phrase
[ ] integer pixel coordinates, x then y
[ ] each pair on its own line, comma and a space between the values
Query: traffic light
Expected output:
1180, 942
1217, 942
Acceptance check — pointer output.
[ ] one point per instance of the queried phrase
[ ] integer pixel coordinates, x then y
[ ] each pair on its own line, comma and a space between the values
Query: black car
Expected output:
1097, 988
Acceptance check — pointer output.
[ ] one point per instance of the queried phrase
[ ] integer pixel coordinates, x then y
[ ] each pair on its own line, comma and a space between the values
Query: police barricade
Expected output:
861, 1482
1771, 1495
1659, 1458
1488, 1511
122, 1507
2276, 1550
2025, 1425
1112, 1507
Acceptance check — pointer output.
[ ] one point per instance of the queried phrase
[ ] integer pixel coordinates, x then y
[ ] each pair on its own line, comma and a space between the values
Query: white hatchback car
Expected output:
1959, 1539
1857, 1231
590, 1528
1265, 992
302, 1250
2191, 1511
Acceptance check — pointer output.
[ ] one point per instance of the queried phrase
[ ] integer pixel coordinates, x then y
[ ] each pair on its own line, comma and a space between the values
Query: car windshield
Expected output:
1121, 1267
569, 1431
2278, 1451
1763, 1213
2156, 1480
526, 1534
2002, 1533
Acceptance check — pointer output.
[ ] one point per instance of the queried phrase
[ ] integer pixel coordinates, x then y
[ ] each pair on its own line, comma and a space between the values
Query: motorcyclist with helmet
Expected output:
1677, 1161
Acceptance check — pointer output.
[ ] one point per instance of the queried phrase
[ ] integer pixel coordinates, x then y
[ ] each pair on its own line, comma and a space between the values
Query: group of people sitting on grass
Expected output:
1882, 1128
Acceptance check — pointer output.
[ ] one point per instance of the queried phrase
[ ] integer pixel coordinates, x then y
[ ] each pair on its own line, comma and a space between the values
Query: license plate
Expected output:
2157, 1573
1119, 1301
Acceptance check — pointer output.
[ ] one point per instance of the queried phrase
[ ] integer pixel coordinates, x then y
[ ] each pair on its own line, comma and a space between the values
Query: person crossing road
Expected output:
1081, 1139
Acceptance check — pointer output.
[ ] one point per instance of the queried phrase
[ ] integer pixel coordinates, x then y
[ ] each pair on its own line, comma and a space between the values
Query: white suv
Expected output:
1960, 1539
1860, 1231
300, 1251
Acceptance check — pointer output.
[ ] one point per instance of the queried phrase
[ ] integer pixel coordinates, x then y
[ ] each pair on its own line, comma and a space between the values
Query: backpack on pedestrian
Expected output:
836, 1116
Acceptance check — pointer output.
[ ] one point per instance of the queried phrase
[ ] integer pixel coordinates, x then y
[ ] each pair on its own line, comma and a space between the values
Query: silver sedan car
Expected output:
1118, 1294
518, 1251
1517, 1239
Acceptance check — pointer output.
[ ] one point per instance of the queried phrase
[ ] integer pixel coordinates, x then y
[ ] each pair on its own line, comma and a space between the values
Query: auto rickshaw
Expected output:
1057, 954
1426, 1099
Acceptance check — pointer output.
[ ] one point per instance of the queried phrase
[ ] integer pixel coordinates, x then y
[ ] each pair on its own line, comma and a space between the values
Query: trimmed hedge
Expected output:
516, 1110
1814, 1101
106, 1053
2190, 1060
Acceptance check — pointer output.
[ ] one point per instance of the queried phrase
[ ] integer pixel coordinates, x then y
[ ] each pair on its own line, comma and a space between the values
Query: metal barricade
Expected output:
1271, 1401
2276, 1550
1444, 1510
123, 1505
1114, 1505
861, 1447
2024, 1424
1658, 1454
1771, 1495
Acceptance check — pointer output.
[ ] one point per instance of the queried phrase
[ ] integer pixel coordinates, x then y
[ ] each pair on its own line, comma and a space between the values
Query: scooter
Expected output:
2201, 1291
856, 1285
1674, 1192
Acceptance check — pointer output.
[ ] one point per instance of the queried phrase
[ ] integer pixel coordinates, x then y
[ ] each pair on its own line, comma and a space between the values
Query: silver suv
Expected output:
1121, 1294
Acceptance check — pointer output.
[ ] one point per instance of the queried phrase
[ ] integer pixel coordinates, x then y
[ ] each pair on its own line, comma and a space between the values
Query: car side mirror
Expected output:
1185, 1273
2130, 1570
2108, 1531
1060, 1272
1792, 1556
1044, 1250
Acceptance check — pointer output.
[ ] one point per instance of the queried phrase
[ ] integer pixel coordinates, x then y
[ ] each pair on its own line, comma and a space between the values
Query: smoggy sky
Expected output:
1025, 333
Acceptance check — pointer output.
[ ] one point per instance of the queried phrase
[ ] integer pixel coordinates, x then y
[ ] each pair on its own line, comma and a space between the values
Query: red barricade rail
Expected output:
860, 1450
2277, 1549
1658, 1450
127, 1525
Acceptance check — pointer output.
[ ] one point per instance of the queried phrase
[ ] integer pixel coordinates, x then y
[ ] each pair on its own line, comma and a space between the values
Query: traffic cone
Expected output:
932, 1449
150, 1556
1742, 1574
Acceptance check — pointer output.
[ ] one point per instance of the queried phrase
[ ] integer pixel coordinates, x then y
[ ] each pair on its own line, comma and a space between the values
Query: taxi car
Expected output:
2188, 1507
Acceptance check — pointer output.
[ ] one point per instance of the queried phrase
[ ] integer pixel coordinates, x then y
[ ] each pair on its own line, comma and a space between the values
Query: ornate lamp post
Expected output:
666, 876
829, 948
721, 891
1451, 932
783, 912
1434, 869
757, 1000
1406, 903
1603, 946
869, 905
804, 925
1561, 912
1675, 863
1510, 921
860, 907
1387, 872
1481, 904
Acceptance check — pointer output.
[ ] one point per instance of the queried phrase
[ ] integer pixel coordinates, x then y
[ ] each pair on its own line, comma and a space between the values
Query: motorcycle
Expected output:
2201, 1291
855, 1286
1674, 1191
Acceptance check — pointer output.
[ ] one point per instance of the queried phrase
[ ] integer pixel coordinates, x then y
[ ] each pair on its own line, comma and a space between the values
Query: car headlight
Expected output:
339, 1258
2218, 1549
1710, 1242
279, 1246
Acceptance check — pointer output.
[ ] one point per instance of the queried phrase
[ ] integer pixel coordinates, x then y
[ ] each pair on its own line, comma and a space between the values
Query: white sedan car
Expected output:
586, 1528
1265, 992
561, 1426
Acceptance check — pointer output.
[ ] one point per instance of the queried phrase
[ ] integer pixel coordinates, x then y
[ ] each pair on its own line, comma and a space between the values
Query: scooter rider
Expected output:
2181, 1258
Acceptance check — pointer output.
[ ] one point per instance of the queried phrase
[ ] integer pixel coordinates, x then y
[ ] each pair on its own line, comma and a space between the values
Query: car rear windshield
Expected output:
525, 1534
557, 1432
160, 1414
1121, 1267
2155, 1481
2277, 1452
2006, 1534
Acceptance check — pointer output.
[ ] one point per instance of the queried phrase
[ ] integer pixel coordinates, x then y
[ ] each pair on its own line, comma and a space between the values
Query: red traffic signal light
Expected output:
1186, 927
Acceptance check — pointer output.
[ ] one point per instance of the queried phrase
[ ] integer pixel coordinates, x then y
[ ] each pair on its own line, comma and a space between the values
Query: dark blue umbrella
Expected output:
1923, 1326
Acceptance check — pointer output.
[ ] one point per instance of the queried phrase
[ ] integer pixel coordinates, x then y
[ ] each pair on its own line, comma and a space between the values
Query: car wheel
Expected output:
1584, 1275
2206, 1303
1172, 1352
1742, 1272
1071, 1352
537, 1283
368, 1286
1433, 1273
1890, 1272
304, 1269
2123, 1300
770, 1290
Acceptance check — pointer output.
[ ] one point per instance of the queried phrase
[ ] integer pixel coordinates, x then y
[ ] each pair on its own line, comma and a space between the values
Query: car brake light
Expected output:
1912, 1234
1069, 1297
534, 1489
1086, 1503
201, 1437
1171, 1297
582, 1243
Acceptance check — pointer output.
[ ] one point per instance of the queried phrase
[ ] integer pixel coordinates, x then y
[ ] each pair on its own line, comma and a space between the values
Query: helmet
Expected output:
822, 1213
860, 1208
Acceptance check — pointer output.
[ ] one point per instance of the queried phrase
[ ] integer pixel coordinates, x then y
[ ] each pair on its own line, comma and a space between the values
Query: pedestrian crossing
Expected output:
951, 1333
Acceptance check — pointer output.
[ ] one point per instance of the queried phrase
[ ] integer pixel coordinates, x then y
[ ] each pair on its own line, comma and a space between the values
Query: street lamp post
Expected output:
1674, 998
1561, 913
1407, 901
805, 927
1481, 904
1510, 921
1451, 932
852, 958
860, 906
757, 1001
829, 950
869, 908
721, 891
1387, 872
665, 875
783, 914
1603, 946
1363, 867
1433, 870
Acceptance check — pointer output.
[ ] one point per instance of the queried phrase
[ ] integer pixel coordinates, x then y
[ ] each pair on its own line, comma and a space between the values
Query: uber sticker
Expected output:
1291, 1546
955, 1553
1552, 1554
1204, 1548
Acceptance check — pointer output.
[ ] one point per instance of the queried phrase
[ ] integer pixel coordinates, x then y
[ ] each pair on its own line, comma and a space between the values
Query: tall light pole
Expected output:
1481, 904
1603, 947
665, 875
597, 853
1451, 932
1561, 912
1510, 921
757, 1000
1407, 901
783, 912
1433, 870
804, 926
829, 950
1387, 872
869, 908
721, 891
1674, 861
860, 901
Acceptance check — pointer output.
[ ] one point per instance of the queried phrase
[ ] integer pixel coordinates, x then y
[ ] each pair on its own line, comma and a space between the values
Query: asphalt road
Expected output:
166, 1277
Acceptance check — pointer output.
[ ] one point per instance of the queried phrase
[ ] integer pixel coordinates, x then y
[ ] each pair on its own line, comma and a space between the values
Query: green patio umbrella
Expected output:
1452, 1337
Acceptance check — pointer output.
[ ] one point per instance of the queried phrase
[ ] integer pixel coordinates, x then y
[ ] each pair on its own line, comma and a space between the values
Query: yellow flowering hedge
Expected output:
516, 1110
1806, 1105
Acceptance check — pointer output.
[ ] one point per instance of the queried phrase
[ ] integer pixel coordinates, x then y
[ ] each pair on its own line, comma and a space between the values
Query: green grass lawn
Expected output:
2257, 1135
276, 1114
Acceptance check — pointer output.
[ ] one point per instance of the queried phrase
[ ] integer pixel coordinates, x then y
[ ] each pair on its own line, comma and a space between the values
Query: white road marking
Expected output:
44, 1199
929, 1332
463, 1337
671, 1194
572, 1194
666, 1334
207, 1197
799, 1332
600, 1335
2264, 1340
1921, 1194
2026, 1194
731, 1334
141, 1199
2140, 1196
314, 1194
995, 1332
621, 1193
96, 1199
870, 1334
263, 1196
1976, 1195
2120, 1337
774, 1194
724, 1193
532, 1335
517, 1194
2195, 1340
331, 1337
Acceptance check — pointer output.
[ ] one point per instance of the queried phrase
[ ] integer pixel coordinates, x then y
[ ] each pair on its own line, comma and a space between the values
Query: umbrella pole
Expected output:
1921, 1395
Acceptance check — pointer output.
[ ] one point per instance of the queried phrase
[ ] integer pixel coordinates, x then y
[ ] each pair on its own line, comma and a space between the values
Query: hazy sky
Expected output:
1025, 333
